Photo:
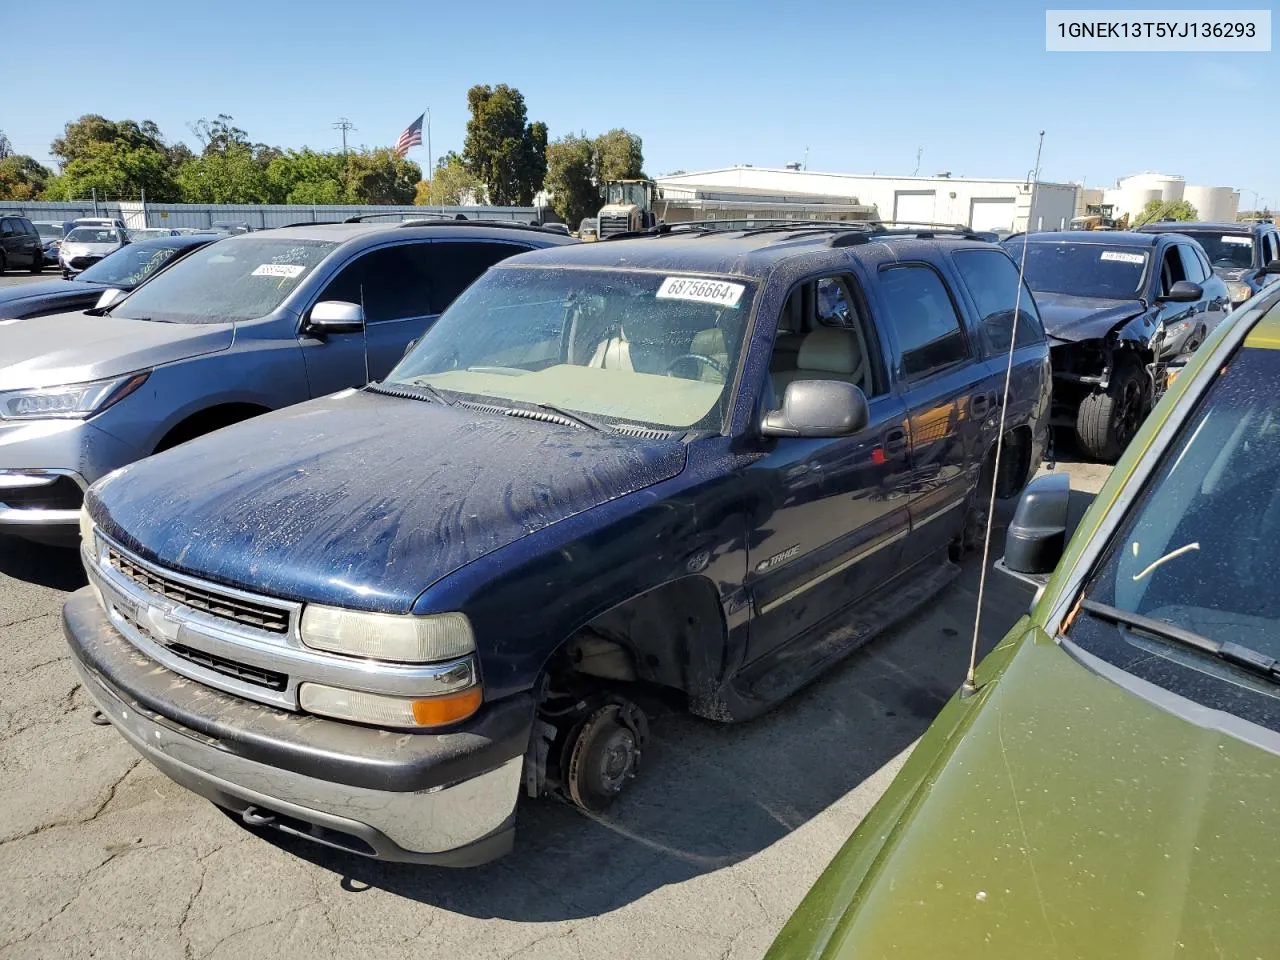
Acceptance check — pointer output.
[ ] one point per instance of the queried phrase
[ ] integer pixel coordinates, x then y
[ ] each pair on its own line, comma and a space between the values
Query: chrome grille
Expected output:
250, 613
618, 223
270, 679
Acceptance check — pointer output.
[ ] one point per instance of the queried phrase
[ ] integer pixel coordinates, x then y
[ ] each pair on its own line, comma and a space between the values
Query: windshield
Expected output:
1082, 269
128, 266
1201, 548
639, 347
231, 280
93, 235
1229, 251
50, 231
627, 193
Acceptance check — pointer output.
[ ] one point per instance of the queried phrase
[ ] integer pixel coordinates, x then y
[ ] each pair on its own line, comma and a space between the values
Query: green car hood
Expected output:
1055, 814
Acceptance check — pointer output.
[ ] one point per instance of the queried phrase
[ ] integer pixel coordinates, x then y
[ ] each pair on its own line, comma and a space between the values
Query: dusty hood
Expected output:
1077, 820
1083, 318
365, 500
48, 295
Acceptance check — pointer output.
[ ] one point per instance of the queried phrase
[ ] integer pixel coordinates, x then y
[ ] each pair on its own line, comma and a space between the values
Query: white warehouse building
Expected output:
981, 204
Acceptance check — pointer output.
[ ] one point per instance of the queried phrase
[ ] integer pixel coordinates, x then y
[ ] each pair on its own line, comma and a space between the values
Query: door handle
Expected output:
895, 441
980, 404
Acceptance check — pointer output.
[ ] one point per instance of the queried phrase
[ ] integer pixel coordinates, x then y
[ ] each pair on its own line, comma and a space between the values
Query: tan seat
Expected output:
613, 353
828, 353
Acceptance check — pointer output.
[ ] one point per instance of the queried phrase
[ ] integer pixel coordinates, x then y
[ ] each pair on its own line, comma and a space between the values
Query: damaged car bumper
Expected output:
445, 799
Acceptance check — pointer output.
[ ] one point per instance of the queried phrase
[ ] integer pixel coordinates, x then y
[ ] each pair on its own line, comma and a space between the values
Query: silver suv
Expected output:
249, 324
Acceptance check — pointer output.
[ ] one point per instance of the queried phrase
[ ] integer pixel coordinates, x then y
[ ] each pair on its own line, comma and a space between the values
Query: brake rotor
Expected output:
605, 755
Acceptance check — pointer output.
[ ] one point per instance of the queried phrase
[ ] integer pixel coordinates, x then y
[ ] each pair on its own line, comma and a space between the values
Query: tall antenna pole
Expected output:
343, 124
970, 685
919, 154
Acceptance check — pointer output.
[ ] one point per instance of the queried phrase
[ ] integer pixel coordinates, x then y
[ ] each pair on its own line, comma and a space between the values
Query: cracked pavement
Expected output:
706, 856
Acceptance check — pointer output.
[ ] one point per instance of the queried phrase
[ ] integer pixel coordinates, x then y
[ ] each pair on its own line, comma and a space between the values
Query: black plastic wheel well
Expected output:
673, 635
208, 420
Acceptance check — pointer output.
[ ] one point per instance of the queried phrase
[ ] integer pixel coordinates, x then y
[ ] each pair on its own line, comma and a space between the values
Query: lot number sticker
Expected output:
289, 270
702, 291
1124, 257
1242, 241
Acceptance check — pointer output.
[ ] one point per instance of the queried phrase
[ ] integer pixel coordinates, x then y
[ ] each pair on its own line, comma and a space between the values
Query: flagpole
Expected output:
431, 170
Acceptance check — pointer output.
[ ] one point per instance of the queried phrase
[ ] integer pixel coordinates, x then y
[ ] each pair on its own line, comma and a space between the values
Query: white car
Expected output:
85, 246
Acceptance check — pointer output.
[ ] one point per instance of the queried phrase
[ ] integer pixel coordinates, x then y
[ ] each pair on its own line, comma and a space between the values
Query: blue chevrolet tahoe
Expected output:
694, 465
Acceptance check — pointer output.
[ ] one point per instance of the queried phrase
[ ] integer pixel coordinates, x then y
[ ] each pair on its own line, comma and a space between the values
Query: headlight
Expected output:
1238, 292
71, 402
383, 711
1177, 329
387, 636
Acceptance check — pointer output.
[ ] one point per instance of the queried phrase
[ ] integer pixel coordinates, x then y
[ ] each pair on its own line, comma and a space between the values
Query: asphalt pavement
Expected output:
705, 856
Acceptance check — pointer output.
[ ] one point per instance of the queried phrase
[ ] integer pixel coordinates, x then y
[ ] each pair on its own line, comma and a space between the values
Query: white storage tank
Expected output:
1213, 203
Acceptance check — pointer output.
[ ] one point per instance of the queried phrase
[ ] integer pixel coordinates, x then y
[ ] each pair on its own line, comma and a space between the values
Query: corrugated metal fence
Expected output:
259, 216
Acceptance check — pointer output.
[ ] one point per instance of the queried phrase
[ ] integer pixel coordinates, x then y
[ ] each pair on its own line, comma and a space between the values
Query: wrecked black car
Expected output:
1117, 306
675, 468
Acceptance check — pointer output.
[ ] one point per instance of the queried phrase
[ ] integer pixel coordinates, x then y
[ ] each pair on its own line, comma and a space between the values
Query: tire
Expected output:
1108, 419
975, 514
37, 264
4, 264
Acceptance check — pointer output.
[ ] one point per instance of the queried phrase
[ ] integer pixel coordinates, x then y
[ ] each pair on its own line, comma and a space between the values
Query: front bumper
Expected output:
446, 799
45, 466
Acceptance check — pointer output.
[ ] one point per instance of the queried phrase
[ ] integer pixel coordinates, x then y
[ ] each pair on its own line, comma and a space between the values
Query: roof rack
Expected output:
304, 223
454, 222
749, 226
425, 215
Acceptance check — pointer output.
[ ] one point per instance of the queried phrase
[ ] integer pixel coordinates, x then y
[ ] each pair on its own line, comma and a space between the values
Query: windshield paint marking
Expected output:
1172, 555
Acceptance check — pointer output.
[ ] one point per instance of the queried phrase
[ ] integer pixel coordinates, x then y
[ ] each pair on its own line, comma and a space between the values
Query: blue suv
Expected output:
700, 465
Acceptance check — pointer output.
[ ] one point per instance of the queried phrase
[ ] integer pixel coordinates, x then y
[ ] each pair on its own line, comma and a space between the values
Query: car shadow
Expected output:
55, 567
712, 795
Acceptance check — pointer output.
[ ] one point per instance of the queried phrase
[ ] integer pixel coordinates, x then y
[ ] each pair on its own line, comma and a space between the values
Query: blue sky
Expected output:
706, 84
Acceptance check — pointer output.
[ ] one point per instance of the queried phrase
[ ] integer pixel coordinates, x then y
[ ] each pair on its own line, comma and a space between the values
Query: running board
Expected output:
801, 661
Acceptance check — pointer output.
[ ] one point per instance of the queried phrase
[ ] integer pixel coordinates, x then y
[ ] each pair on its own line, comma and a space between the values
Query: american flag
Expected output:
412, 136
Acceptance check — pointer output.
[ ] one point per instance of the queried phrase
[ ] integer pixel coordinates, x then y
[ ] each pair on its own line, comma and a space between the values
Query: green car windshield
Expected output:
1200, 550
631, 346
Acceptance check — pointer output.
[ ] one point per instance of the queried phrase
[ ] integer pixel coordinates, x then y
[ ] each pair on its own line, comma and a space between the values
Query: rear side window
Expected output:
6, 228
992, 280
924, 319
455, 265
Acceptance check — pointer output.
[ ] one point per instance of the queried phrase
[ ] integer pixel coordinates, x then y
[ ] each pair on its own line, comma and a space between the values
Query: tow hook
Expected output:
99, 719
257, 817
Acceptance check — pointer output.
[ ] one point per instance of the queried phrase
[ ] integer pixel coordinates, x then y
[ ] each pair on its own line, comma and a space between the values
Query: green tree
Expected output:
231, 176
381, 176
619, 156
1177, 210
22, 178
120, 159
452, 185
307, 176
571, 178
502, 149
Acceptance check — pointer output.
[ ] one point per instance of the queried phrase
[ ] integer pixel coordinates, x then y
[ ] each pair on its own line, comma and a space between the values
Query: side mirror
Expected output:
1272, 268
818, 408
1037, 535
335, 316
1184, 291
108, 298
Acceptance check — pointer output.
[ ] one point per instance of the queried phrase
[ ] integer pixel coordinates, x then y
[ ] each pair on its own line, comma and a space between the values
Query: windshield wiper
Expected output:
396, 390
575, 417
1244, 657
